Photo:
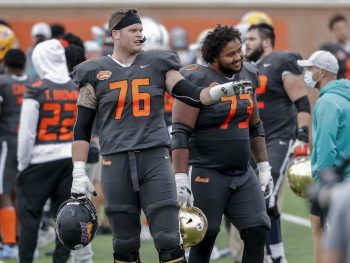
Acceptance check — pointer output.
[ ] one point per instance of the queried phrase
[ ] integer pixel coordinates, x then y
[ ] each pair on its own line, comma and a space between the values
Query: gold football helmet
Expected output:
193, 226
256, 17
299, 175
7, 40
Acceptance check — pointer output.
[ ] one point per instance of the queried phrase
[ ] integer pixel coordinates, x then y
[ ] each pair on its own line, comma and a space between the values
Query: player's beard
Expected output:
256, 54
228, 71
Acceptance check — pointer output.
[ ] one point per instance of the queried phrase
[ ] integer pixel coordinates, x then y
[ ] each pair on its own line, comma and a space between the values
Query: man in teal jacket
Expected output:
331, 114
330, 125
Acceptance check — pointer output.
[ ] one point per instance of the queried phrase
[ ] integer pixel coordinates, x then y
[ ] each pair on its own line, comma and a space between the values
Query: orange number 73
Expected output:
242, 124
137, 97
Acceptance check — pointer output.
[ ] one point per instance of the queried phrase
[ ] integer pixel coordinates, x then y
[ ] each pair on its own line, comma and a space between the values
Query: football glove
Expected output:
231, 88
265, 178
81, 185
301, 146
184, 194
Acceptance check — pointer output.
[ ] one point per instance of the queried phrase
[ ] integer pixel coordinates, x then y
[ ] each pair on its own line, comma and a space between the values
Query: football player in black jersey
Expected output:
281, 88
12, 86
125, 91
44, 145
340, 45
213, 144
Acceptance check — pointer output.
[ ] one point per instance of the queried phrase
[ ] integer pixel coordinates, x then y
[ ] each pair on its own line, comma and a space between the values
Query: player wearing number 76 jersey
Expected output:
124, 92
44, 145
216, 142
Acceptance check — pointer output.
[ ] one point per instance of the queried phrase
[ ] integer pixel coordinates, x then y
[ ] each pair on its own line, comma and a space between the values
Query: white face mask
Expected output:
309, 81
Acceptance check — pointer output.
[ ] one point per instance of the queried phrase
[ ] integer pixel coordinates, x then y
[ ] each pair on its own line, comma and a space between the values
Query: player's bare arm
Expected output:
257, 137
87, 97
297, 92
182, 116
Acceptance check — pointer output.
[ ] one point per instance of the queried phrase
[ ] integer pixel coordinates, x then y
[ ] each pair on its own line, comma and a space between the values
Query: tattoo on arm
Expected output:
87, 97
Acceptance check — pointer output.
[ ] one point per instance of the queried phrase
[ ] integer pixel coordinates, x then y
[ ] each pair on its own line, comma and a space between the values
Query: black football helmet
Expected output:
76, 223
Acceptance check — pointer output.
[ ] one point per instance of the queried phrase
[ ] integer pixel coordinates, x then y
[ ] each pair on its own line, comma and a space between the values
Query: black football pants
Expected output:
35, 185
137, 180
238, 197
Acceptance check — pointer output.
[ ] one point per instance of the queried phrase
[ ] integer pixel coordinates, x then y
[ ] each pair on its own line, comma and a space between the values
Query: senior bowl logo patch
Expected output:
104, 74
191, 67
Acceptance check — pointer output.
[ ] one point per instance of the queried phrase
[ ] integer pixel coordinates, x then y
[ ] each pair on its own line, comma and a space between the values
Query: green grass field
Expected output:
297, 238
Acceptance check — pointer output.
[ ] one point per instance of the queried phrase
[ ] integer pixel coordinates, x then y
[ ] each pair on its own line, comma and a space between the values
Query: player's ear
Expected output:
266, 43
116, 34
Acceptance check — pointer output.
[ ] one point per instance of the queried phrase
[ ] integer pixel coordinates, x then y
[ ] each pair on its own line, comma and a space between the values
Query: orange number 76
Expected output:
136, 95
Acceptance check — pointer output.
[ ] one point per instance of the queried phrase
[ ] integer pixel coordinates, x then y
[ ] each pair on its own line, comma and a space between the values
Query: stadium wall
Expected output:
298, 28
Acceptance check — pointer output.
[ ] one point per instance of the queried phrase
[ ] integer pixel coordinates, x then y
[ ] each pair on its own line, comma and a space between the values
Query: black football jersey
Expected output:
130, 114
277, 111
342, 56
57, 110
220, 138
12, 89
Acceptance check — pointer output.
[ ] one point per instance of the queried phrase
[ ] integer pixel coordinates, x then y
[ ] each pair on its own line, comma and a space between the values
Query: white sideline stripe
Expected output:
296, 220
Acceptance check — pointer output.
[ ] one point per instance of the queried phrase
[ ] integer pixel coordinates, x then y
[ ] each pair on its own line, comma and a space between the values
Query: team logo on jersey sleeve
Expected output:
191, 67
104, 74
37, 84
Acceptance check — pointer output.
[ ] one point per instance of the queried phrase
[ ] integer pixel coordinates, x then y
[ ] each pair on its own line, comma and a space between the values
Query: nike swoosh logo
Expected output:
266, 65
166, 157
282, 143
143, 66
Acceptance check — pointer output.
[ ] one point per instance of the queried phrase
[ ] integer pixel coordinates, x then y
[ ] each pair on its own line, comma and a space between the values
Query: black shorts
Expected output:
239, 197
8, 165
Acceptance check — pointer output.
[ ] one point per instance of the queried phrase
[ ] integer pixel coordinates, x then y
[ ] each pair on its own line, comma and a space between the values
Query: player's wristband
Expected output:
303, 134
263, 166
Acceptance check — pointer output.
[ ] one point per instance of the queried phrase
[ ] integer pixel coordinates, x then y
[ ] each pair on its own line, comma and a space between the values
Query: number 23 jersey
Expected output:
220, 139
130, 100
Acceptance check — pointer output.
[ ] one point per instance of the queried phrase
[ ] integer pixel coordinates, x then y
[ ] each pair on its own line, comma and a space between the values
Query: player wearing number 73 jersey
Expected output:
216, 142
44, 145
